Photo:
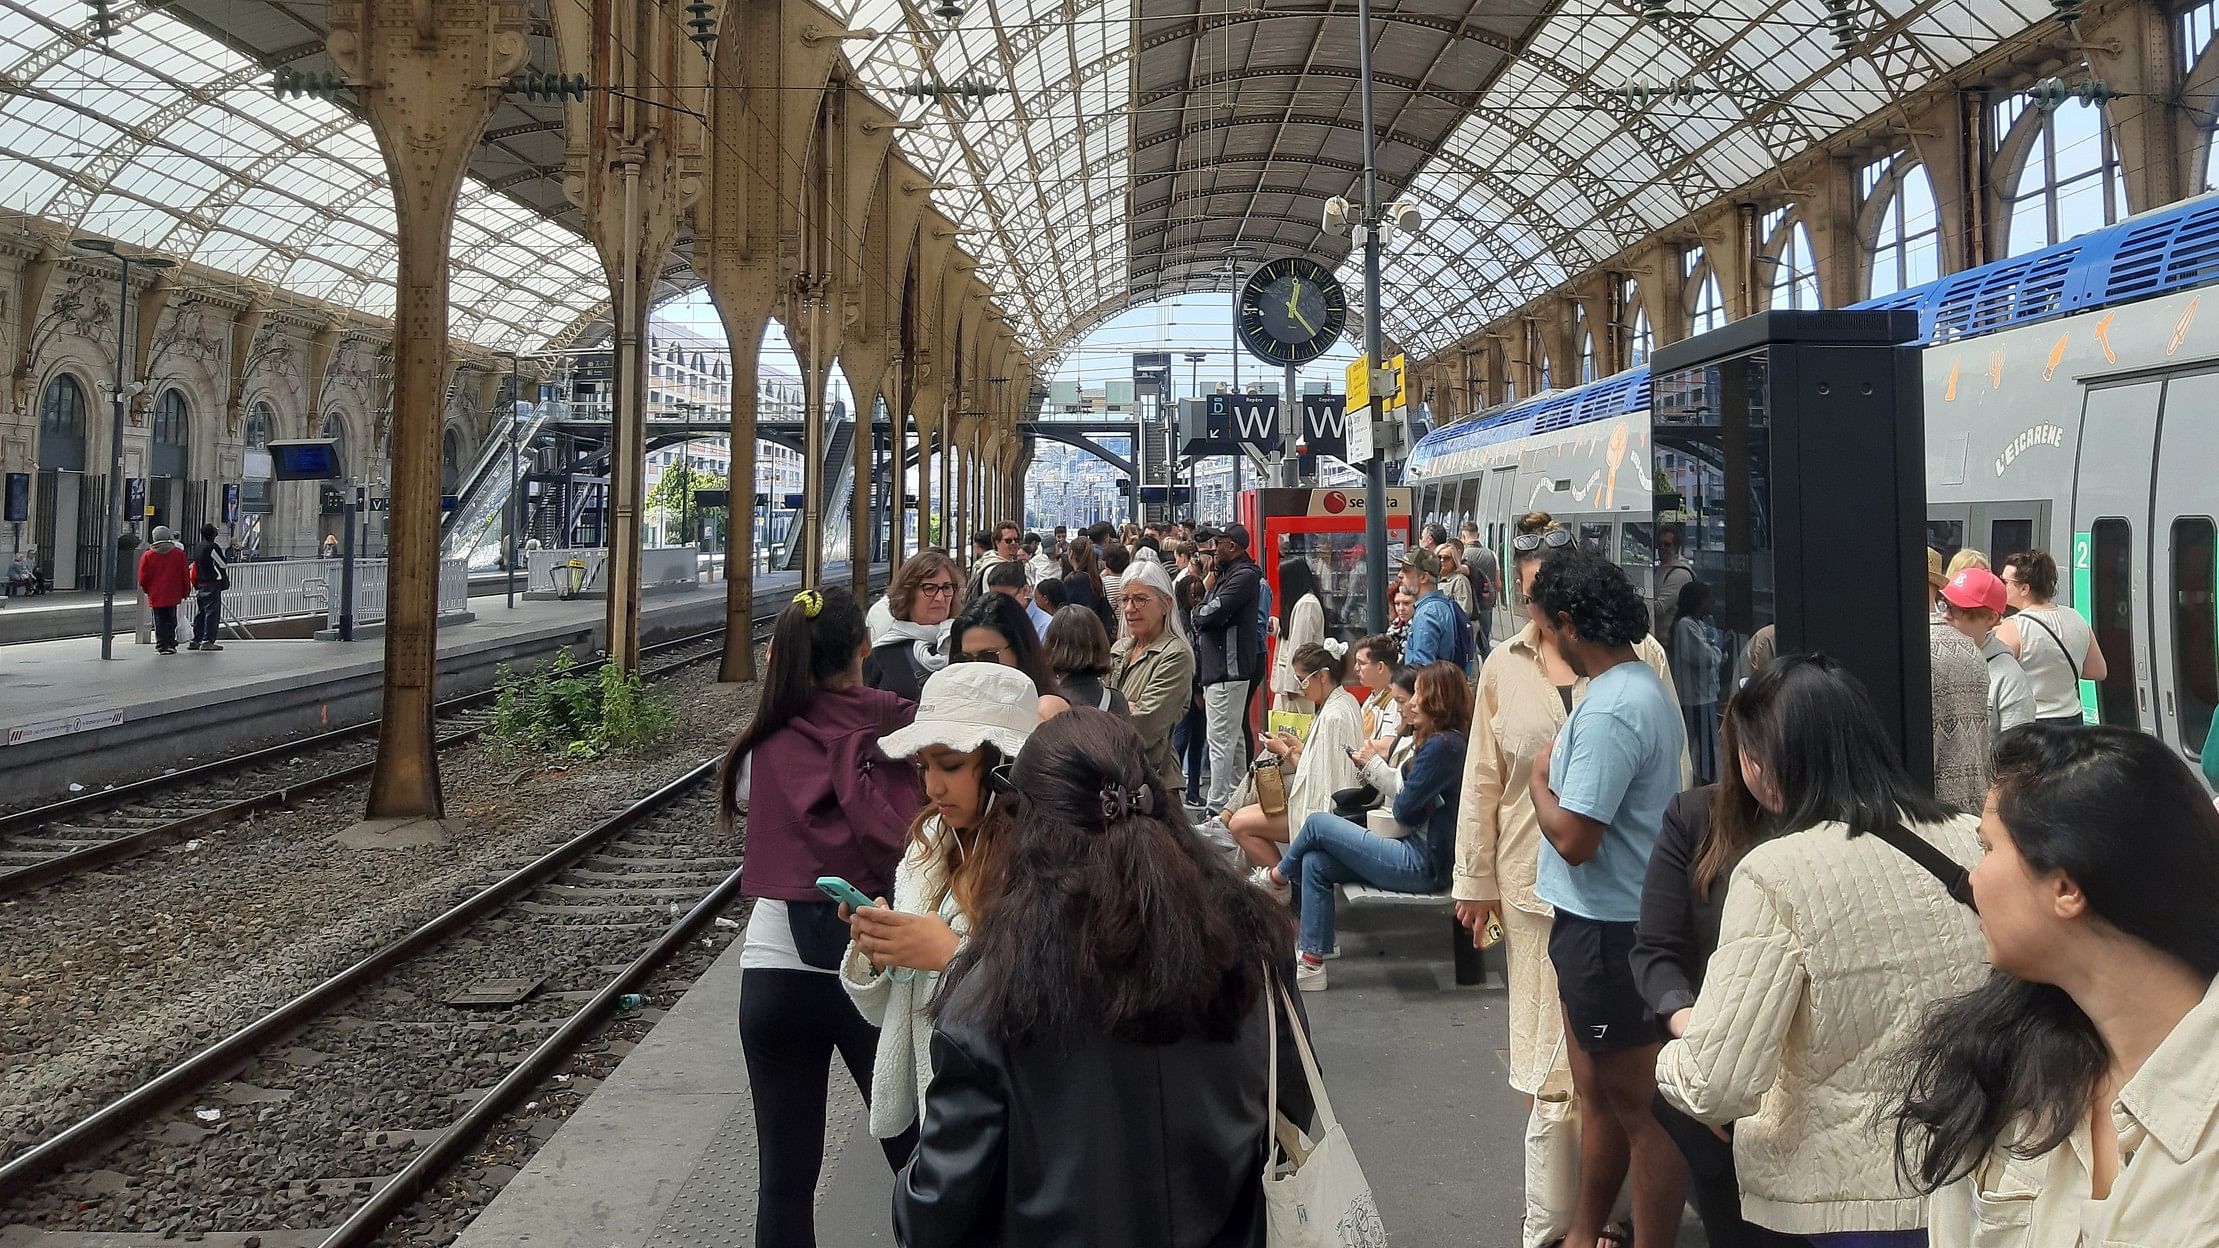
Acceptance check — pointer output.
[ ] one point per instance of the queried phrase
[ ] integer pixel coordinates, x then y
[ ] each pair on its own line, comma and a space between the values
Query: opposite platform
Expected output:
68, 716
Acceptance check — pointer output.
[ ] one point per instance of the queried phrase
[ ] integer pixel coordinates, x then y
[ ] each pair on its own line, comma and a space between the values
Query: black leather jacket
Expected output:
1092, 1141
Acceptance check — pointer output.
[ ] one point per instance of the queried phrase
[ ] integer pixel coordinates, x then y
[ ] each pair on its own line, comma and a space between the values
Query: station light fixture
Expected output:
292, 84
534, 85
2069, 11
965, 88
950, 11
1655, 11
1640, 93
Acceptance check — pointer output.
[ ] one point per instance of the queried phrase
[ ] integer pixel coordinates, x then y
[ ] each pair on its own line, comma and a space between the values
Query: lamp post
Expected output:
109, 570
1375, 469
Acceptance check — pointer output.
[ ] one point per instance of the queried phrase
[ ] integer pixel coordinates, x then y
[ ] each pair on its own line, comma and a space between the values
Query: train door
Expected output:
2110, 543
2184, 562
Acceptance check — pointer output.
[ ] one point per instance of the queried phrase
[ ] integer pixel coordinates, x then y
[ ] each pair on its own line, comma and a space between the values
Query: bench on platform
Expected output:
1471, 963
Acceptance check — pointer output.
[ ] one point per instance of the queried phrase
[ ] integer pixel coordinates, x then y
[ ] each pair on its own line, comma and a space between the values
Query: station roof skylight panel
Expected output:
168, 138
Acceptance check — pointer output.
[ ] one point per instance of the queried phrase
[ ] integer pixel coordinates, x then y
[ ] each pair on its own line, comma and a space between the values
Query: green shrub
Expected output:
557, 709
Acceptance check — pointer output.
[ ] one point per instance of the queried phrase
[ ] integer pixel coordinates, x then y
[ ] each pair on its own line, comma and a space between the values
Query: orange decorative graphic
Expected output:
1949, 395
1995, 371
1618, 437
2056, 356
2180, 327
2103, 337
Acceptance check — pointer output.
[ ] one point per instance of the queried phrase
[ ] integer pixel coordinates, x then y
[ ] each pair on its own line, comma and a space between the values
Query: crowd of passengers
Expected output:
1754, 968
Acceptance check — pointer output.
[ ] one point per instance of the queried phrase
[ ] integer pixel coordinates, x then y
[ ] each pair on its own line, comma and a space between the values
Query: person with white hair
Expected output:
1152, 664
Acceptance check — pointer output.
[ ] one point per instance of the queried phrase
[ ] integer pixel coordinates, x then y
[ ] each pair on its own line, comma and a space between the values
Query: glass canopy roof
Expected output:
170, 141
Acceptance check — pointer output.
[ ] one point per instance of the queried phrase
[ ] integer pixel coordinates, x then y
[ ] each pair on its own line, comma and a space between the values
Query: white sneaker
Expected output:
1261, 878
1309, 976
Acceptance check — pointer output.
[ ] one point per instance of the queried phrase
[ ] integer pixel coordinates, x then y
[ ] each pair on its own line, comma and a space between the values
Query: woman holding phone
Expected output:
1312, 767
972, 720
839, 808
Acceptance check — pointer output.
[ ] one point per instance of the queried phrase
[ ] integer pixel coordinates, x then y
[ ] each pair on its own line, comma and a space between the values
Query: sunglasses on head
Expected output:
1552, 538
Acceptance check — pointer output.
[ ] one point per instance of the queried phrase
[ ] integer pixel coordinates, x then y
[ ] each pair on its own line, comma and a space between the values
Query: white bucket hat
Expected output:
966, 705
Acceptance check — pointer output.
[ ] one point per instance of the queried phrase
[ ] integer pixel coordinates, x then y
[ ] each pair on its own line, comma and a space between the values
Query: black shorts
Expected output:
1603, 1008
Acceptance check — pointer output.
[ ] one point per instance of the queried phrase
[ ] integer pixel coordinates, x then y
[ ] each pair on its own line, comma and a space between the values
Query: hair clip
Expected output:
1119, 802
811, 602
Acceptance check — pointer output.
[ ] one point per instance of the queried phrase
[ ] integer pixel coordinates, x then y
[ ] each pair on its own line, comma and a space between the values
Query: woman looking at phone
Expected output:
972, 721
1099, 1047
1312, 767
838, 807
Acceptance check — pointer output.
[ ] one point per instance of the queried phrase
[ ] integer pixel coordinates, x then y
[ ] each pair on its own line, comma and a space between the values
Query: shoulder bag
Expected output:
1315, 1193
1956, 881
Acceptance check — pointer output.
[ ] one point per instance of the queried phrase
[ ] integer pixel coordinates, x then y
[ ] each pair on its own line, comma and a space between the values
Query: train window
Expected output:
2110, 611
1635, 543
2195, 637
2007, 538
1596, 537
1945, 537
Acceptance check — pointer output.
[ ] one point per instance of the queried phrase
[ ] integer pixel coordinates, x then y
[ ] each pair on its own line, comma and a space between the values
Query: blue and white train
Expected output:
2072, 404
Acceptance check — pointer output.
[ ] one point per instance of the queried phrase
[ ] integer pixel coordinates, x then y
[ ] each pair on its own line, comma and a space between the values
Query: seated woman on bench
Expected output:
1314, 767
23, 572
1329, 850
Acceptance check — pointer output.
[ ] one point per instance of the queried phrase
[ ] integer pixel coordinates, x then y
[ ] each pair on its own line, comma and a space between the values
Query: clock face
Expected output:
1291, 310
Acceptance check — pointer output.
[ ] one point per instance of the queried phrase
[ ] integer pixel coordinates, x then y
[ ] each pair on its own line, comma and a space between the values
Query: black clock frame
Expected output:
1255, 331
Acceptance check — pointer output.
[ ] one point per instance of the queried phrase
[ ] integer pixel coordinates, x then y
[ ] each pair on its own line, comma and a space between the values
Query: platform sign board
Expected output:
1359, 436
1240, 422
134, 498
231, 502
305, 459
712, 498
1325, 425
1359, 383
18, 501
64, 726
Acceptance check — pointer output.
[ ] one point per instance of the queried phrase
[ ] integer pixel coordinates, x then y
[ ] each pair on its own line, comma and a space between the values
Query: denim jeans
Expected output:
207, 615
1190, 744
1329, 850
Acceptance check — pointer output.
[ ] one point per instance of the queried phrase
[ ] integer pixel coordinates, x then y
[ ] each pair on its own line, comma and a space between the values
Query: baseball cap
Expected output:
1234, 533
1423, 560
1975, 588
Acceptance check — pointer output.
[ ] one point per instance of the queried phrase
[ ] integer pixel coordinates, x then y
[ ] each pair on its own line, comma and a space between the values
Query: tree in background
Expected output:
669, 505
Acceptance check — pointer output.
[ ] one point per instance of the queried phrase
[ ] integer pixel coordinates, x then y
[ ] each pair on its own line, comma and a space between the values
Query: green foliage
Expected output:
558, 709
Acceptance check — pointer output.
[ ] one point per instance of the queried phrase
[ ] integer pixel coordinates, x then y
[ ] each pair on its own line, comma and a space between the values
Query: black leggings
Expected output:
790, 1022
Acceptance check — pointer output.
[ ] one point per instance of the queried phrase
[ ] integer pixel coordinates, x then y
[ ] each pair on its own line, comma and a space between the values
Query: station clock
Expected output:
1290, 310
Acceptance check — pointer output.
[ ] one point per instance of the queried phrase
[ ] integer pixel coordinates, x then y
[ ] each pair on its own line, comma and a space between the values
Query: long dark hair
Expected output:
1738, 821
1298, 580
1113, 919
2124, 819
1807, 722
805, 655
1086, 563
1002, 613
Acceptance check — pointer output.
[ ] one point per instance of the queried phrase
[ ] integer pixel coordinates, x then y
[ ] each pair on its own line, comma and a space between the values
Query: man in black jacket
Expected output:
1228, 653
211, 576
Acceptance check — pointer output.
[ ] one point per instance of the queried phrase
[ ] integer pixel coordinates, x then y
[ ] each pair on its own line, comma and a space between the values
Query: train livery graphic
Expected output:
2072, 404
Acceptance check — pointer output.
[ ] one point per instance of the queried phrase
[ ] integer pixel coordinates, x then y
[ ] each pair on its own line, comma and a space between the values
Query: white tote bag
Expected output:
1315, 1194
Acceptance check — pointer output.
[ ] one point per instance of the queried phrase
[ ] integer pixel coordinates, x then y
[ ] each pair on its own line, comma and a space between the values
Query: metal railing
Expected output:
277, 588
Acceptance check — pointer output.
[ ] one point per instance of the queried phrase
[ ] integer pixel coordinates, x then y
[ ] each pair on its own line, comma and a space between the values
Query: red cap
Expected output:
1976, 588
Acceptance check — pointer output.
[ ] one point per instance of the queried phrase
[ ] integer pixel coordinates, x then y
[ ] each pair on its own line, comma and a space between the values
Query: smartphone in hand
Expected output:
843, 892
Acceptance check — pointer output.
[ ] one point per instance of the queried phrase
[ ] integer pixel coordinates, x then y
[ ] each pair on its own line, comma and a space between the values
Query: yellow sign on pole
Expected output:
1359, 384
1399, 367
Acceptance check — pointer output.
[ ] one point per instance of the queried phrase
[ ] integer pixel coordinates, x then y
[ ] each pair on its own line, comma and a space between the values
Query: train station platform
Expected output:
69, 717
662, 1154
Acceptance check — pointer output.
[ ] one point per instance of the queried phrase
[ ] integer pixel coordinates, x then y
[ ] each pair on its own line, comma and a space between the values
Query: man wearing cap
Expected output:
1960, 699
1974, 601
1229, 654
1439, 629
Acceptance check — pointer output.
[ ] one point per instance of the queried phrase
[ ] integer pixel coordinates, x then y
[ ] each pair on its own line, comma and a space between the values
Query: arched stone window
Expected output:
62, 425
1706, 302
254, 488
1586, 341
172, 428
1794, 283
2068, 179
1903, 225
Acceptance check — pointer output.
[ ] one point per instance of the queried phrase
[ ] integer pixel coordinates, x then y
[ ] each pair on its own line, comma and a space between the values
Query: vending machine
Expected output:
1312, 540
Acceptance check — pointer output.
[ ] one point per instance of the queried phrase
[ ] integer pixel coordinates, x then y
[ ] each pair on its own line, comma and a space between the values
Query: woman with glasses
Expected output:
994, 629
911, 646
1152, 664
1526, 692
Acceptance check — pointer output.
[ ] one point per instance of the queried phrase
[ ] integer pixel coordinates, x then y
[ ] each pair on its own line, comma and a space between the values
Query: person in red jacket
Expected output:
166, 575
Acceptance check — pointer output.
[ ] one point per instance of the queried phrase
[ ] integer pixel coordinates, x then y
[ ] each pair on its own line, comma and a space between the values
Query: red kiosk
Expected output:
1325, 527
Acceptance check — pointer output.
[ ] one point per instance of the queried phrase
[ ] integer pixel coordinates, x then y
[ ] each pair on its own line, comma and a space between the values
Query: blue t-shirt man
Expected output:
1617, 762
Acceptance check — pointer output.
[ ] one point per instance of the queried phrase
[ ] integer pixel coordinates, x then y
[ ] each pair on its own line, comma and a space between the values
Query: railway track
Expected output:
346, 1125
47, 844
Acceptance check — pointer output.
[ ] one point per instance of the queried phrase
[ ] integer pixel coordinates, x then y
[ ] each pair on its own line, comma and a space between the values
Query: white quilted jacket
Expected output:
1829, 953
895, 1001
